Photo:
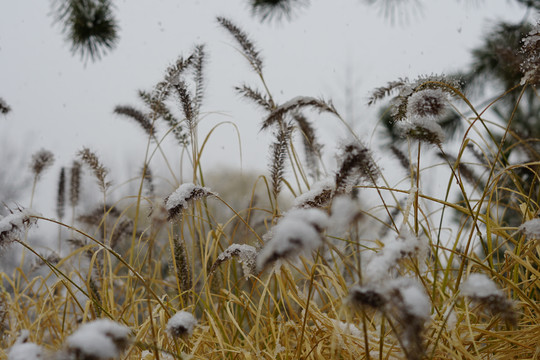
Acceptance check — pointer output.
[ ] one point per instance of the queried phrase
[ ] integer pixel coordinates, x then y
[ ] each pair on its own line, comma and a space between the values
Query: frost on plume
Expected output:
181, 324
300, 231
177, 202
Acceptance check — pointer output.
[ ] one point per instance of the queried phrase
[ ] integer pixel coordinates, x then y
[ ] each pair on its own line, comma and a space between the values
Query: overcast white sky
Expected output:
60, 104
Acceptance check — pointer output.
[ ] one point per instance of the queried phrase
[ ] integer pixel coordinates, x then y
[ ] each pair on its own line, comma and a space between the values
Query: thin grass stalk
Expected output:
115, 254
306, 310
476, 215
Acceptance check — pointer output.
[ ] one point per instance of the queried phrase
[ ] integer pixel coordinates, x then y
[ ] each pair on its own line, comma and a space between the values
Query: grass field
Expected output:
303, 269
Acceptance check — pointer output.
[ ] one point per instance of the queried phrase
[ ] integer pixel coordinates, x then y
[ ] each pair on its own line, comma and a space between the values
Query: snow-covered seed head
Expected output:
319, 196
26, 351
356, 163
177, 202
530, 65
405, 302
403, 246
423, 130
531, 228
483, 291
181, 324
99, 339
360, 296
41, 160
300, 231
246, 255
427, 103
13, 224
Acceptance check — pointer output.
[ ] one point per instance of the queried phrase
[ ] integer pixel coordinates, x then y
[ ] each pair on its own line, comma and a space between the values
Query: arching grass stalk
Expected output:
114, 253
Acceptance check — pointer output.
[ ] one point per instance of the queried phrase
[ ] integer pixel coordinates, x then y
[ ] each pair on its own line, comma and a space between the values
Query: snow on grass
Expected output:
181, 324
17, 221
531, 228
298, 232
479, 286
99, 339
246, 254
403, 246
176, 202
25, 351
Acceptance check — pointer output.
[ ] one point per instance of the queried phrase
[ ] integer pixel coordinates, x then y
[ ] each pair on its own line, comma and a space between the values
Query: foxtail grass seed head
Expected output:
319, 196
255, 96
345, 211
278, 157
402, 300
427, 103
99, 339
17, 221
484, 292
181, 325
248, 47
299, 232
296, 104
312, 148
41, 161
138, 116
75, 183
100, 172
405, 245
61, 195
422, 130
367, 295
24, 349
246, 255
530, 65
276, 9
531, 228
355, 164
427, 96
4, 107
177, 202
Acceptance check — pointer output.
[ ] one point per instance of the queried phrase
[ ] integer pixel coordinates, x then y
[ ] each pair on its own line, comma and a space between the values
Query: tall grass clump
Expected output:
308, 267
